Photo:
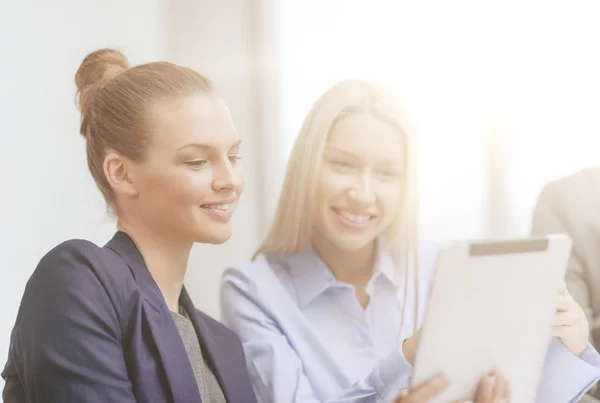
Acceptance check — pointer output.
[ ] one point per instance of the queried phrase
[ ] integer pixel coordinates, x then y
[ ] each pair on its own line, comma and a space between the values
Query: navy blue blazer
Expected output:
93, 327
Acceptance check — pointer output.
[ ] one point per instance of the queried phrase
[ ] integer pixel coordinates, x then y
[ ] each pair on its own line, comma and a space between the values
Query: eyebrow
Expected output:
347, 153
352, 155
206, 146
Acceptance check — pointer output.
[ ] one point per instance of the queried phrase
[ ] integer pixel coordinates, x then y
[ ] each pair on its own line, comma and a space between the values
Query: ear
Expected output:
118, 175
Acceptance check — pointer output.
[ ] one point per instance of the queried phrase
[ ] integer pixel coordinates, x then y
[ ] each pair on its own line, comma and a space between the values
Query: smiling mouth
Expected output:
218, 207
354, 218
222, 211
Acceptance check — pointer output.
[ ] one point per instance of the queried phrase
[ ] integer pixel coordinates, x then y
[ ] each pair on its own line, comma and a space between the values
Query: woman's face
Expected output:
360, 184
190, 181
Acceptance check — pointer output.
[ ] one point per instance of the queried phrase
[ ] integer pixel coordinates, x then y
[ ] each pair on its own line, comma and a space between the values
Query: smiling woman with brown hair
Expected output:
114, 323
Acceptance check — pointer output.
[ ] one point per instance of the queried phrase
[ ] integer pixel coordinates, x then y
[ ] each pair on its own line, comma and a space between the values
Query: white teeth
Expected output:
357, 218
222, 207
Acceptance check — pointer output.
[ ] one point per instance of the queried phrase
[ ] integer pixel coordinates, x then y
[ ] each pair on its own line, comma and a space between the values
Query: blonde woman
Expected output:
328, 310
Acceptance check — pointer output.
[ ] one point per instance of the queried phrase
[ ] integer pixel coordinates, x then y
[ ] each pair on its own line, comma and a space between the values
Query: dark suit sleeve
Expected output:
66, 344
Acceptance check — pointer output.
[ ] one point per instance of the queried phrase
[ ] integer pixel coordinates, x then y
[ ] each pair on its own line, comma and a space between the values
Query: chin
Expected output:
350, 245
220, 240
348, 241
214, 240
215, 236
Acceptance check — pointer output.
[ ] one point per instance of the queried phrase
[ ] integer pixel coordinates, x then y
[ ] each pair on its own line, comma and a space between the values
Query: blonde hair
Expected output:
113, 100
291, 228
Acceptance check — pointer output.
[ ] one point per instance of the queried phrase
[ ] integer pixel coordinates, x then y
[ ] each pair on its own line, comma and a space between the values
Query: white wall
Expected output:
219, 39
550, 99
504, 95
46, 192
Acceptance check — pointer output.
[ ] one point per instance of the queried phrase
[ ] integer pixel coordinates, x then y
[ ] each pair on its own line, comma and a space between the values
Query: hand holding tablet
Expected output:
492, 306
493, 388
570, 323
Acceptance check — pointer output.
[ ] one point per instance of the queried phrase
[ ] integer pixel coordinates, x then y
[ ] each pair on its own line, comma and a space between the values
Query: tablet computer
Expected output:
491, 306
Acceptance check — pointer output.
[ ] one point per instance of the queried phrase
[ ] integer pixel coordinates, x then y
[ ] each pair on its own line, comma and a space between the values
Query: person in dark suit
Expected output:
115, 323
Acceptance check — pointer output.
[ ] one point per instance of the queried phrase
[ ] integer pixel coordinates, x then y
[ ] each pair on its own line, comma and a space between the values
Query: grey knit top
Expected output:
210, 390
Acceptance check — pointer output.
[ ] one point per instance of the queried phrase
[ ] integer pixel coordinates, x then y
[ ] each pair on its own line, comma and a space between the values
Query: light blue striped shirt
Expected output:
307, 338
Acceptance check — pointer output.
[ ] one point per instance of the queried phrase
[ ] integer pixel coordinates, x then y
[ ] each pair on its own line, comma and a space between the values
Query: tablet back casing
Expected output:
491, 306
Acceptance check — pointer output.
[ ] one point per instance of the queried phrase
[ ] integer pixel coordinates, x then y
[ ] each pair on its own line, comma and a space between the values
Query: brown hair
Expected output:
113, 101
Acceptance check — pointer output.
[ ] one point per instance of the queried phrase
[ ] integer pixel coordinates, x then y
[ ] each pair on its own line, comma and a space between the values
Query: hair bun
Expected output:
95, 71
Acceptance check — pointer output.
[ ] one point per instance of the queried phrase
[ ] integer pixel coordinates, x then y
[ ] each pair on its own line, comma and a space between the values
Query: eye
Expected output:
341, 164
391, 174
234, 158
197, 163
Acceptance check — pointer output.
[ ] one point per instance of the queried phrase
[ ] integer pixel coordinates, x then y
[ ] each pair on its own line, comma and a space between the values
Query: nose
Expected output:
227, 177
362, 191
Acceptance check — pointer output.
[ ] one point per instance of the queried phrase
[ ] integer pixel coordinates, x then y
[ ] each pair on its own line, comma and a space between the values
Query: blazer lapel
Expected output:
173, 356
215, 347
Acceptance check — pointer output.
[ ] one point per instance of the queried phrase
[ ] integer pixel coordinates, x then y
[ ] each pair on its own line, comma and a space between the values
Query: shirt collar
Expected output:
312, 277
385, 266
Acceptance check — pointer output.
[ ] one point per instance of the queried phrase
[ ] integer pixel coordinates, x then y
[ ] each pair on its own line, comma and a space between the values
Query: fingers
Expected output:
563, 303
507, 391
563, 288
498, 385
400, 399
425, 392
431, 388
485, 391
493, 388
560, 331
502, 387
564, 319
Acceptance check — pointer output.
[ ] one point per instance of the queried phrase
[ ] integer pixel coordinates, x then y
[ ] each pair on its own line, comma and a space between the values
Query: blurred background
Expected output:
505, 96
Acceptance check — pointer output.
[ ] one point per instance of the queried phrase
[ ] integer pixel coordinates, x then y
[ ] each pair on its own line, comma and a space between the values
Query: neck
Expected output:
354, 267
165, 258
